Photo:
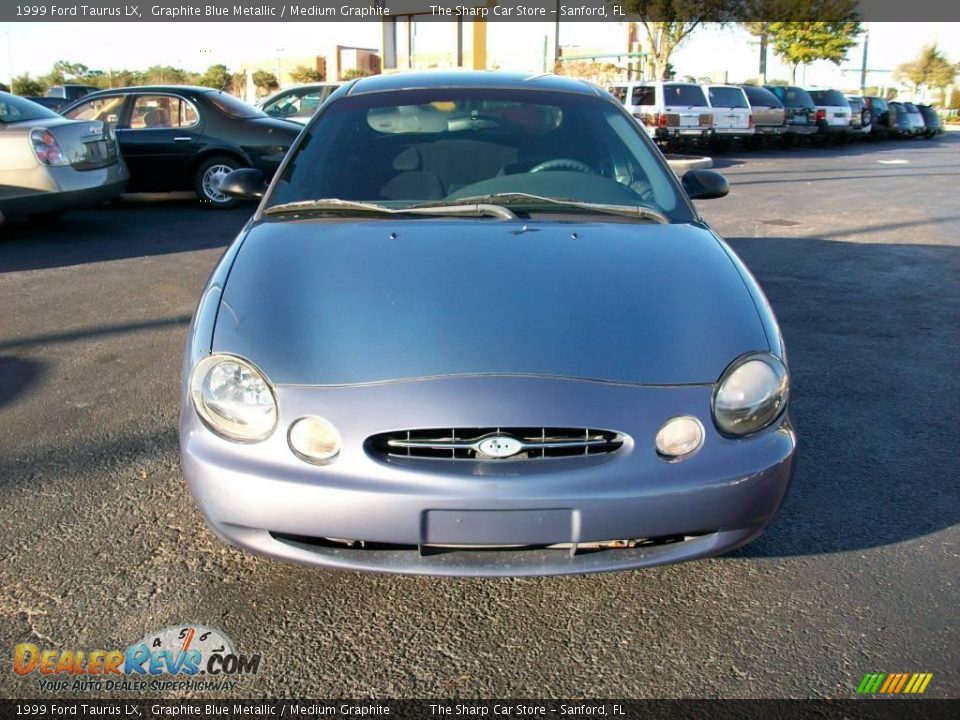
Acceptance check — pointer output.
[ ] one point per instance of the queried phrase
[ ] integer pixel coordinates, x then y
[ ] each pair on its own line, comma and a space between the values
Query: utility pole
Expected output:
863, 67
763, 55
556, 38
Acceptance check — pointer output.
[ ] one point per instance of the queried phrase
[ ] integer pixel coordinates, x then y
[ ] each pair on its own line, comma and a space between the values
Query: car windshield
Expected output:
404, 148
727, 97
910, 107
234, 107
15, 109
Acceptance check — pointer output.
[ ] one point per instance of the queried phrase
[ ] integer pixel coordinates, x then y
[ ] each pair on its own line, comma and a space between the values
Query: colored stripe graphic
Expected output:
891, 680
871, 683
894, 683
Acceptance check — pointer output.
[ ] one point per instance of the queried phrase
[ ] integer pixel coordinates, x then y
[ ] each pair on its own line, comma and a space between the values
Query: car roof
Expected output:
465, 79
154, 88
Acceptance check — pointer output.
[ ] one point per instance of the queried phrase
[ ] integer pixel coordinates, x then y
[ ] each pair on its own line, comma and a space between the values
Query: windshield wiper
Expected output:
638, 212
460, 209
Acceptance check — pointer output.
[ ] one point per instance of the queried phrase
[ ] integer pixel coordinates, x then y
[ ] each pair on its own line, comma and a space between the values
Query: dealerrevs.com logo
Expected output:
180, 657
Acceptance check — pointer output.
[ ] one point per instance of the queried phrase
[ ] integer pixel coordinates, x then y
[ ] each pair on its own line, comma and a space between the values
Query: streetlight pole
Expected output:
556, 38
863, 67
763, 55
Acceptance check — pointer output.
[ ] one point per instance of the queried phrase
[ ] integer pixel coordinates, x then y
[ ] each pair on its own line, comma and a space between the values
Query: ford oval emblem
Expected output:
500, 446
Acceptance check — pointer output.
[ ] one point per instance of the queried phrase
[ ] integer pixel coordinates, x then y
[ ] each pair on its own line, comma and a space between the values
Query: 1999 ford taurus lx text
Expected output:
476, 327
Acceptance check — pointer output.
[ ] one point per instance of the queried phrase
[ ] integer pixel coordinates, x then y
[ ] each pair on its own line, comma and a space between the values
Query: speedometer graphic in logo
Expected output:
187, 638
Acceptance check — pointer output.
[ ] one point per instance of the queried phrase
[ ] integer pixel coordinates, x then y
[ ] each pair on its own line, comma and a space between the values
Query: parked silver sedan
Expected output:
49, 164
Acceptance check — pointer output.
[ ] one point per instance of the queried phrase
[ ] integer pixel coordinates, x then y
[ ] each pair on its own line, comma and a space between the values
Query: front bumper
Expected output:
440, 516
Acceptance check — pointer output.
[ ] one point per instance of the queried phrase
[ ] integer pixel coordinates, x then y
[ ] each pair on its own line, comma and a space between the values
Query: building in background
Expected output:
341, 62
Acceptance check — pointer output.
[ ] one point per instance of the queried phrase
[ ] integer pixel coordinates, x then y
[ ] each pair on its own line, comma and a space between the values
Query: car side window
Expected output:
619, 92
643, 96
106, 109
151, 112
297, 105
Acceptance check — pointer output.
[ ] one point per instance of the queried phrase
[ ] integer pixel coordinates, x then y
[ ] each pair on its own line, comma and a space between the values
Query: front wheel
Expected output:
208, 177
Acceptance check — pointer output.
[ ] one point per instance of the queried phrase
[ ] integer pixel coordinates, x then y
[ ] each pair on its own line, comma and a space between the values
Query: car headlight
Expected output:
751, 394
678, 437
233, 398
314, 440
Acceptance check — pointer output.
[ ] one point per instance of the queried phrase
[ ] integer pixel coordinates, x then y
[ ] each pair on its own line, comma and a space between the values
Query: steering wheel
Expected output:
563, 164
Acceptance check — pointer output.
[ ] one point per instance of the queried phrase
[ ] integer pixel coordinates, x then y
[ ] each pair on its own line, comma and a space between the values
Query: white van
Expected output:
732, 116
668, 110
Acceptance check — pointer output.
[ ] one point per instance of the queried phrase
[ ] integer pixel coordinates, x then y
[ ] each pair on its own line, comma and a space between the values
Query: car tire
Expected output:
207, 178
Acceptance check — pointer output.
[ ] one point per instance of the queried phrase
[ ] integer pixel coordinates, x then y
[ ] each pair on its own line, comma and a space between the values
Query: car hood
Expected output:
328, 301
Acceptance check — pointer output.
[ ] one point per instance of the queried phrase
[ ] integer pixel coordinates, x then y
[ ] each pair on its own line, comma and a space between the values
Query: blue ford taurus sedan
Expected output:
476, 327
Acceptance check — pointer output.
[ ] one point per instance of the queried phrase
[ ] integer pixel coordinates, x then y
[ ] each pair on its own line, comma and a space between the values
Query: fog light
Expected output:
679, 437
314, 440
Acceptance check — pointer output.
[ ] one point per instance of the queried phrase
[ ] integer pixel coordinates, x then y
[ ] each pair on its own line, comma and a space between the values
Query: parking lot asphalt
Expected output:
858, 249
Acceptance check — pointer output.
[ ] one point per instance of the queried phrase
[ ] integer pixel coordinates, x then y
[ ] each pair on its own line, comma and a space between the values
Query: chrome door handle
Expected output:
183, 138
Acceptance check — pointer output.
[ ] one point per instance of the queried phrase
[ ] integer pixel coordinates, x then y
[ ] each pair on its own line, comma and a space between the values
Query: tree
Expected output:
216, 76
304, 74
26, 85
805, 42
354, 73
265, 82
677, 20
165, 75
929, 69
69, 71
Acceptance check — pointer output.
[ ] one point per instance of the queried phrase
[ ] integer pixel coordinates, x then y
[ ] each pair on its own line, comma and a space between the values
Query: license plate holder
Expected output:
497, 527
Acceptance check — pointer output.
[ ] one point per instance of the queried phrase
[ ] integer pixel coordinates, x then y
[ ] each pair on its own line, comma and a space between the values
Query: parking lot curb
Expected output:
681, 163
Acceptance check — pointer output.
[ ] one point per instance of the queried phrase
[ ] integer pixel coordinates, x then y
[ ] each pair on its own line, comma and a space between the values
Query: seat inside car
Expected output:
412, 182
432, 170
156, 118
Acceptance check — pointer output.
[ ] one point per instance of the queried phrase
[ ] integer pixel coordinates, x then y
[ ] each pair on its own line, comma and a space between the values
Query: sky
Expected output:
34, 47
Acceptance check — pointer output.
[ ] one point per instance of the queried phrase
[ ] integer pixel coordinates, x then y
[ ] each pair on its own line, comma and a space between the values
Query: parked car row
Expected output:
160, 138
165, 138
678, 114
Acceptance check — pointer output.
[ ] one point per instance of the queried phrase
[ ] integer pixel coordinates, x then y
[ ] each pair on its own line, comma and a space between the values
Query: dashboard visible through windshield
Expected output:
405, 148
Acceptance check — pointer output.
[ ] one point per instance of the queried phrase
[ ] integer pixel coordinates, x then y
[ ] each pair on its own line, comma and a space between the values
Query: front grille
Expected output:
507, 443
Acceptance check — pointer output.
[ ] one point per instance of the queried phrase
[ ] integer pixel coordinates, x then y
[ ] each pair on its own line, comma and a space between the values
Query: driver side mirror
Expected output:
704, 184
245, 183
